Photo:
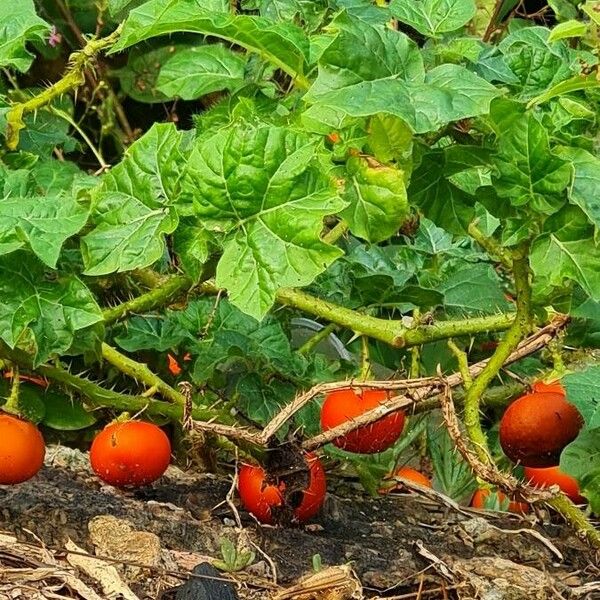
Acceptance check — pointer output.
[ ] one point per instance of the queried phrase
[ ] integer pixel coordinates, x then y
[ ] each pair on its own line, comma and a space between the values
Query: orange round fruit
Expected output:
485, 498
554, 476
22, 450
133, 453
536, 427
540, 387
259, 496
407, 473
344, 405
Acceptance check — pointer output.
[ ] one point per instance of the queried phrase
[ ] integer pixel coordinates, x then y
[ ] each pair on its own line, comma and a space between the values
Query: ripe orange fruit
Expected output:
406, 473
22, 450
536, 427
344, 405
555, 387
485, 498
259, 496
554, 476
133, 453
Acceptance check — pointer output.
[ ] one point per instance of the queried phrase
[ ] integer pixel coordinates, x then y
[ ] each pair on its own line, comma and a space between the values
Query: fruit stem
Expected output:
12, 402
576, 519
365, 359
140, 372
519, 329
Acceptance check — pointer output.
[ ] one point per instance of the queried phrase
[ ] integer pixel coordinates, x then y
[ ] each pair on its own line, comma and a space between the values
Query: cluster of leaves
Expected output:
406, 121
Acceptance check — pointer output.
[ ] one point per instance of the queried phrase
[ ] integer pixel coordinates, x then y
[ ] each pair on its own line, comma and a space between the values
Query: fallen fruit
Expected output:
554, 476
133, 453
485, 498
259, 496
344, 405
406, 473
22, 450
536, 427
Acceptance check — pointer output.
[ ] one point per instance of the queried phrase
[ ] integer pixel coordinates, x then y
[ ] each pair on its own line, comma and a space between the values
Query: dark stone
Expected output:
208, 585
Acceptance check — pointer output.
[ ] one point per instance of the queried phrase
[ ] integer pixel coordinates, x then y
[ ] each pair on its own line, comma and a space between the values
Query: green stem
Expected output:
12, 402
510, 341
141, 372
392, 332
334, 234
490, 245
72, 79
167, 291
316, 339
576, 519
365, 359
463, 363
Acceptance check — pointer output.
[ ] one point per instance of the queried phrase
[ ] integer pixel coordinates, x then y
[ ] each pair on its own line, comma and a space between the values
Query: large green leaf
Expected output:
133, 205
42, 223
262, 185
41, 314
528, 172
448, 93
19, 24
583, 390
433, 17
200, 70
556, 259
581, 459
284, 44
377, 197
536, 61
586, 182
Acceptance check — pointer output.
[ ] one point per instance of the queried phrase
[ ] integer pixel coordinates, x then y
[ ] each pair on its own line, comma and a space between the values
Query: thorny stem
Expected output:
463, 363
365, 359
169, 290
70, 81
510, 341
141, 372
575, 518
490, 245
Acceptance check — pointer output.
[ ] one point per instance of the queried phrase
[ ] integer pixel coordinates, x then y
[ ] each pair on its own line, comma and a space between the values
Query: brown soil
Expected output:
401, 546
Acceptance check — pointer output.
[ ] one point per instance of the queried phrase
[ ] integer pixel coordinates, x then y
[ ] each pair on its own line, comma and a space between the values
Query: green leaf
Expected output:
20, 24
139, 77
200, 70
568, 29
65, 414
44, 314
537, 62
574, 84
133, 205
583, 391
41, 223
441, 201
473, 289
390, 139
528, 172
377, 197
283, 44
581, 459
555, 260
262, 186
448, 93
590, 8
586, 182
433, 17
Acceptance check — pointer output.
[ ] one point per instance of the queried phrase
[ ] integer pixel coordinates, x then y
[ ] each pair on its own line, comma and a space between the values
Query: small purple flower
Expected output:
55, 38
